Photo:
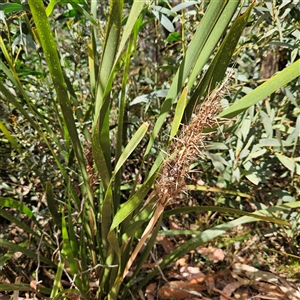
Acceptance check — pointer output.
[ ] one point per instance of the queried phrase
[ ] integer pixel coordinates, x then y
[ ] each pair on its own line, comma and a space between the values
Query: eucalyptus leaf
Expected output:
183, 5
289, 163
164, 20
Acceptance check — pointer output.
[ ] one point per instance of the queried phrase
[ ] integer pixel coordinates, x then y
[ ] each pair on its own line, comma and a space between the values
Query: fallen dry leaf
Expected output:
33, 284
210, 283
203, 250
265, 282
181, 262
27, 189
189, 272
242, 293
150, 265
166, 243
216, 255
213, 254
151, 291
229, 289
173, 225
179, 290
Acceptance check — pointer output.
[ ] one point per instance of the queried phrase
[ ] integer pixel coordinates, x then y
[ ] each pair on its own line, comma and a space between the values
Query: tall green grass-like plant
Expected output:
96, 237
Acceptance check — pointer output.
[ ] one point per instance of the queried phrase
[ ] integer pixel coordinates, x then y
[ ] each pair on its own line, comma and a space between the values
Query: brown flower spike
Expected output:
175, 168
188, 146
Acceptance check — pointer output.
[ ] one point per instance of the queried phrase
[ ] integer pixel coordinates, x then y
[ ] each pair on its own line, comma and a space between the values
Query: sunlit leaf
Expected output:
289, 163
267, 88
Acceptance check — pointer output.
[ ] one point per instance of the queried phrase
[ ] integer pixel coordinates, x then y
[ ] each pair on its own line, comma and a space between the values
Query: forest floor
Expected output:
244, 264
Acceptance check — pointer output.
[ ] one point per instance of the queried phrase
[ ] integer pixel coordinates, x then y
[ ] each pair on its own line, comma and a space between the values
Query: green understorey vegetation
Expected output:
118, 118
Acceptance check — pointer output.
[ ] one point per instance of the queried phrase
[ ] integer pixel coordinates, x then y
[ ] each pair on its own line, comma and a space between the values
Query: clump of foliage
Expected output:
105, 146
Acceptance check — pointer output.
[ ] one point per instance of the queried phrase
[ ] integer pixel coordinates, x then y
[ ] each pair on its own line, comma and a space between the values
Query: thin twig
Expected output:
159, 269
38, 259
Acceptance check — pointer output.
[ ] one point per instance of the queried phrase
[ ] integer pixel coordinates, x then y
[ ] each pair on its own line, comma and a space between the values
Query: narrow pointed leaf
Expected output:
11, 203
264, 90
134, 14
9, 137
57, 279
226, 210
132, 203
26, 251
51, 204
202, 37
135, 140
218, 67
49, 47
179, 111
110, 48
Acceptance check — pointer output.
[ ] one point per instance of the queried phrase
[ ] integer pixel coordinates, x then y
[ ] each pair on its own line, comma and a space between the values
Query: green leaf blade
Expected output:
264, 90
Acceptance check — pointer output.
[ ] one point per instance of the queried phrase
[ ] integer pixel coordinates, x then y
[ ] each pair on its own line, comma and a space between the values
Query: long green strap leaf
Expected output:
131, 204
110, 47
264, 90
134, 14
11, 203
20, 224
112, 52
202, 36
51, 204
214, 38
67, 251
57, 279
226, 210
9, 137
179, 111
99, 159
26, 251
101, 130
218, 67
107, 212
135, 140
53, 62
